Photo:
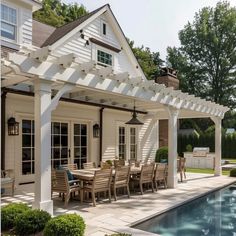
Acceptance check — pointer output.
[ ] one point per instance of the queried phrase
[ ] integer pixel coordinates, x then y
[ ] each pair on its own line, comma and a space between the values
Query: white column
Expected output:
42, 113
172, 179
217, 121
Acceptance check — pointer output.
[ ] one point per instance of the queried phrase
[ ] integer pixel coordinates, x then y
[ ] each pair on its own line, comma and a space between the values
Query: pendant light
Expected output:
134, 120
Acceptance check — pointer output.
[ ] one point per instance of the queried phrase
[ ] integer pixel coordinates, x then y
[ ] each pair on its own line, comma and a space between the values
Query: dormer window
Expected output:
104, 58
8, 22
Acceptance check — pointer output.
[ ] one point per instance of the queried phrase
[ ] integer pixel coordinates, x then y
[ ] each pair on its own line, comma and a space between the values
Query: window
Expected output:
27, 147
122, 144
60, 149
80, 144
133, 144
104, 28
104, 58
8, 22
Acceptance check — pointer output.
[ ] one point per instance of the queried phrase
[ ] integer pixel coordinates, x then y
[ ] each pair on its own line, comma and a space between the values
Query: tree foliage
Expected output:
150, 62
206, 59
56, 13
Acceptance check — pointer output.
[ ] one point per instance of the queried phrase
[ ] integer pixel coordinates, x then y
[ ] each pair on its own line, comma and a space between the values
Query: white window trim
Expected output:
15, 41
127, 140
106, 51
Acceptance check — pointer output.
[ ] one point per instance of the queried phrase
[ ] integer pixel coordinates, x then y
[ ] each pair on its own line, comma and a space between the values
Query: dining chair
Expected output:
121, 179
101, 183
89, 165
70, 166
62, 185
145, 177
135, 163
160, 175
118, 163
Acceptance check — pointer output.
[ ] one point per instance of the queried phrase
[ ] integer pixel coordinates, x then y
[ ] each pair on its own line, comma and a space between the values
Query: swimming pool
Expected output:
212, 215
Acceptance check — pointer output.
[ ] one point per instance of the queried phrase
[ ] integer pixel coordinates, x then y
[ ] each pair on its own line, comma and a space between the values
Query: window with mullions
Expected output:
80, 144
104, 58
27, 147
122, 145
8, 22
133, 144
60, 149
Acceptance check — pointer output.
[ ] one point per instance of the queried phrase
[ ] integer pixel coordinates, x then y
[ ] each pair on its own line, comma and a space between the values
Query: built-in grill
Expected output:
201, 151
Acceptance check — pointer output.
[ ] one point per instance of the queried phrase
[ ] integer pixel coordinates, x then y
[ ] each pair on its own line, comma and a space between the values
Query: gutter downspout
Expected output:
3, 128
101, 133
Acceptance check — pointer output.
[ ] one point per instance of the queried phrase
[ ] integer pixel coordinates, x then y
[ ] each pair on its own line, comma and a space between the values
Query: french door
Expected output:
127, 142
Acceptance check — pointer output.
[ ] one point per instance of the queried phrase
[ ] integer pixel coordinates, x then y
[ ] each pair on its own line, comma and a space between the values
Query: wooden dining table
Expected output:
88, 174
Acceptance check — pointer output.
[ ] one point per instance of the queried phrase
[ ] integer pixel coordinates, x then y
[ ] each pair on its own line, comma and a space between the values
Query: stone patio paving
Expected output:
118, 216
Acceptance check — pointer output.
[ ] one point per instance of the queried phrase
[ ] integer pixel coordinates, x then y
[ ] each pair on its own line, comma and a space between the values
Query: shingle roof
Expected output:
63, 30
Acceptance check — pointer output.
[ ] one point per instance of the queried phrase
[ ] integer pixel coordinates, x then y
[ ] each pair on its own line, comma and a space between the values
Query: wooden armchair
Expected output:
146, 176
119, 163
7, 180
121, 179
70, 166
160, 175
101, 183
89, 165
61, 184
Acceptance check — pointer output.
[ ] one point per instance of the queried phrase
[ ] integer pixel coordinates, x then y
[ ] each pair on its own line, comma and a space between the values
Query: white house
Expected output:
83, 75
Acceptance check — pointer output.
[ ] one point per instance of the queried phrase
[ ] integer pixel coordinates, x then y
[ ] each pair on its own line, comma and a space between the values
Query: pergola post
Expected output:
172, 179
217, 121
42, 112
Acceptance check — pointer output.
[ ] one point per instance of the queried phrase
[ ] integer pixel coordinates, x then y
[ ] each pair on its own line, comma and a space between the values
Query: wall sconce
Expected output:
13, 126
96, 131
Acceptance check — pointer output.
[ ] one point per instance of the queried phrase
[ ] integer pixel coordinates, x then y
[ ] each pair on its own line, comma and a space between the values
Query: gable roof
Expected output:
67, 30
63, 30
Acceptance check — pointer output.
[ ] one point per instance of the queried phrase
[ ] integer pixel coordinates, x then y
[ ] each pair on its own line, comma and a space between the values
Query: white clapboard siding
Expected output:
26, 26
148, 137
85, 53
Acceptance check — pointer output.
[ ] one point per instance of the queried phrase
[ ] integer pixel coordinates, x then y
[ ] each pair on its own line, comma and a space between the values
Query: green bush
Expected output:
232, 173
189, 148
69, 225
31, 222
9, 214
162, 155
109, 162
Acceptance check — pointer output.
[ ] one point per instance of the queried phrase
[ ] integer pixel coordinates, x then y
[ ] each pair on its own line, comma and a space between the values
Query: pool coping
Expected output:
138, 232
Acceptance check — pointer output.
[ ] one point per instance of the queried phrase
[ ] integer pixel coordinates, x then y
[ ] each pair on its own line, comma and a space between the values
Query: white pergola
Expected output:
66, 76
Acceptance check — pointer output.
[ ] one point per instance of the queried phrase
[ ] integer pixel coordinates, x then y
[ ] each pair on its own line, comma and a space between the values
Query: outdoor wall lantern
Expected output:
13, 126
134, 120
96, 131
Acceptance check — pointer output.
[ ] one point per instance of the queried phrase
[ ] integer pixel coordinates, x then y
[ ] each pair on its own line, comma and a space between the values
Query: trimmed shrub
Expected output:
232, 173
109, 162
69, 225
162, 155
31, 222
9, 214
189, 148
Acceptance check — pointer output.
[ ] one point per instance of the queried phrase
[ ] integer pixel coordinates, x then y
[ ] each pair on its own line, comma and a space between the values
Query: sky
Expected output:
152, 23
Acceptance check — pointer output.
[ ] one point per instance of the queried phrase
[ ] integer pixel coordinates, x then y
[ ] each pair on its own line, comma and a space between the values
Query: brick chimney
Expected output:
168, 77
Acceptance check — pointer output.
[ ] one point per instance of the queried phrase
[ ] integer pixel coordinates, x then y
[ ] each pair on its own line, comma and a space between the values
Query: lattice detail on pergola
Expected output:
67, 69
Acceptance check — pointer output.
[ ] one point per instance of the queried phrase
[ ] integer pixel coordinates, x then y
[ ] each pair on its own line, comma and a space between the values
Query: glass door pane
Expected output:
80, 144
60, 144
122, 143
133, 143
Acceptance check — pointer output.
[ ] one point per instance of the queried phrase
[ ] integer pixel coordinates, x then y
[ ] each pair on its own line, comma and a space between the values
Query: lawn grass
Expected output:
205, 171
233, 161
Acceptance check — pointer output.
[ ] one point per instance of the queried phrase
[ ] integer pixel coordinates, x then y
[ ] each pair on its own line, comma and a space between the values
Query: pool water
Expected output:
211, 215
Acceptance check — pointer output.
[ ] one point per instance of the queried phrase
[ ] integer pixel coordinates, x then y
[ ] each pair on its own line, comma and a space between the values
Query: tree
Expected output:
150, 62
55, 13
206, 59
